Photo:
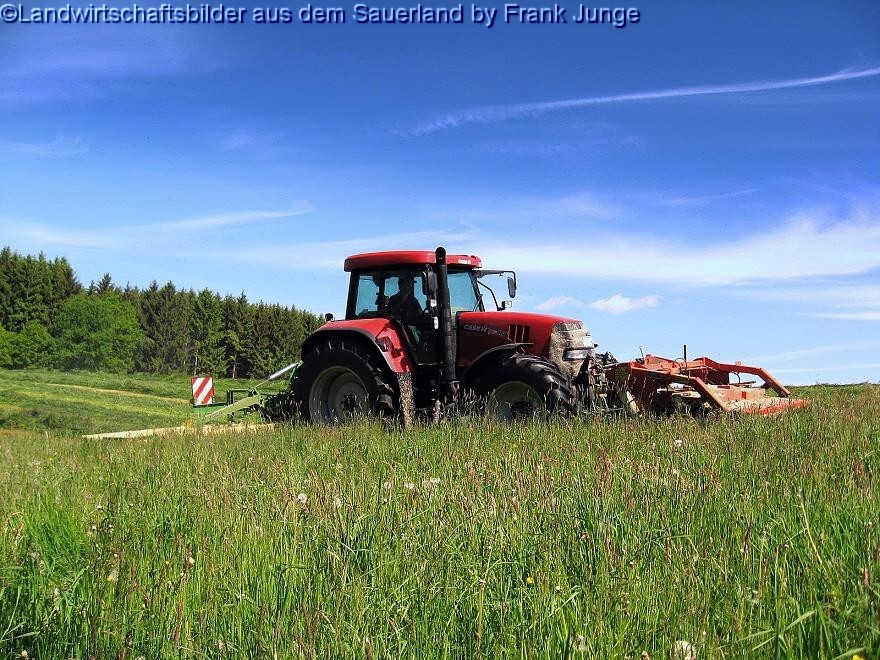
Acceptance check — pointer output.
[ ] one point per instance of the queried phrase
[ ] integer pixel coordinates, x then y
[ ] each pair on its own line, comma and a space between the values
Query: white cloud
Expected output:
58, 63
498, 113
620, 304
847, 302
257, 142
700, 200
558, 301
135, 236
868, 346
858, 366
804, 246
60, 146
853, 316
309, 255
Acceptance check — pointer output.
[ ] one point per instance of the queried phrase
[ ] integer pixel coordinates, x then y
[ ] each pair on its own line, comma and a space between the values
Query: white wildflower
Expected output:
302, 498
683, 650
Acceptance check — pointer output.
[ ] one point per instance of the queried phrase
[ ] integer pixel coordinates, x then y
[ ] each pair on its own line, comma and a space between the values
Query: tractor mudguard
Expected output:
487, 358
381, 334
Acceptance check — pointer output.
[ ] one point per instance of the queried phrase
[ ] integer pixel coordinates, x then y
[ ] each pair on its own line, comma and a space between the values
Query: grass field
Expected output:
742, 537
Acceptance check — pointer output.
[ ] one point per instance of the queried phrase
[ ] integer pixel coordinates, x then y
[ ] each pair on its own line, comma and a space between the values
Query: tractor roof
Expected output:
407, 258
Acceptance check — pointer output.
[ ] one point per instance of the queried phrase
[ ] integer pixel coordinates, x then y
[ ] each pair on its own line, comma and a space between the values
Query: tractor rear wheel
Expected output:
340, 380
522, 386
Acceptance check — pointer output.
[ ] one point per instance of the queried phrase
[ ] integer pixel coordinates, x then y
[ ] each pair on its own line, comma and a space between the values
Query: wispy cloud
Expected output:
803, 246
858, 367
490, 114
136, 236
309, 255
852, 316
529, 211
59, 63
256, 142
814, 351
620, 304
845, 302
700, 200
558, 301
59, 147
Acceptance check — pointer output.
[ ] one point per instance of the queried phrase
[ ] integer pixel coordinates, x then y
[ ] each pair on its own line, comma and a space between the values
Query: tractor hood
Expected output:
548, 335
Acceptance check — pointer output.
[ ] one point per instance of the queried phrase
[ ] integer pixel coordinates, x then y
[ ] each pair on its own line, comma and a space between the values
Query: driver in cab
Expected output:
403, 304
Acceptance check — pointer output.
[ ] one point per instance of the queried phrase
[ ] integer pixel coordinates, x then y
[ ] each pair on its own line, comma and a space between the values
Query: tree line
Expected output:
49, 319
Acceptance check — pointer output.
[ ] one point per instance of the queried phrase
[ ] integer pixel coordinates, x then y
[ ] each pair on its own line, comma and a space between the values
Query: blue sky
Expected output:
709, 176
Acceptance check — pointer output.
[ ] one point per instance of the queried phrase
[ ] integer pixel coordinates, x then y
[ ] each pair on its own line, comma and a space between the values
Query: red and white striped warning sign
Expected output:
203, 390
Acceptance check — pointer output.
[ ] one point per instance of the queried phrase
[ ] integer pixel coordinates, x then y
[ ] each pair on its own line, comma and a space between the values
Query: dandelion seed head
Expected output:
302, 498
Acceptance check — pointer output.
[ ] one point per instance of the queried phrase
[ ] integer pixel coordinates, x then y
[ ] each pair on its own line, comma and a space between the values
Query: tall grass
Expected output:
742, 536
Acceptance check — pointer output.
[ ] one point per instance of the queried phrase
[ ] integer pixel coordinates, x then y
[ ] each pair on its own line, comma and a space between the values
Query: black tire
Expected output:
341, 379
522, 386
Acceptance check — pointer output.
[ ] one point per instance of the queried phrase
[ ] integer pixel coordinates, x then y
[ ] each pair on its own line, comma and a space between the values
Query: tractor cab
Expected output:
402, 287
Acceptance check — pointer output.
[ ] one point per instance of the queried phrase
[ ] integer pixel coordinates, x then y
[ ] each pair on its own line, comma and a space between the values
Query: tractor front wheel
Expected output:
340, 380
522, 386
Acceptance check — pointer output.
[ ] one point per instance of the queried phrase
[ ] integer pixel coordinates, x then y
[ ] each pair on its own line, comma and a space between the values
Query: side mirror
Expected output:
511, 287
429, 284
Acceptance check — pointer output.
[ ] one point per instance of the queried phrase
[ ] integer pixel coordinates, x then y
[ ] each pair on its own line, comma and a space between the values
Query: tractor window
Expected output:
379, 294
369, 298
462, 292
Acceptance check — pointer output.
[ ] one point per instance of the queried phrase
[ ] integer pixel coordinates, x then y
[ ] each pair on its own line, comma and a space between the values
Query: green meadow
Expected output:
728, 537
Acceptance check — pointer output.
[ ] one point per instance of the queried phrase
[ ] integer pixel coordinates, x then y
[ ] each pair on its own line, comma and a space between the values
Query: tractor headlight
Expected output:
573, 354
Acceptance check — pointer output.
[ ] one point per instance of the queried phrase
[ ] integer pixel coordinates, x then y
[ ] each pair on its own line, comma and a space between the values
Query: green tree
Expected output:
33, 288
32, 347
206, 334
5, 347
164, 316
236, 330
97, 333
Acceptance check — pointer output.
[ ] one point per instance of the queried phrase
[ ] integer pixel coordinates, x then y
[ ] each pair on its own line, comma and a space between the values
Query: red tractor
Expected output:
417, 338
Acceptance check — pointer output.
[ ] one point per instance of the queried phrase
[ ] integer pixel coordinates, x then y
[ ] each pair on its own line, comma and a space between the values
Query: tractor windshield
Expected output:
463, 296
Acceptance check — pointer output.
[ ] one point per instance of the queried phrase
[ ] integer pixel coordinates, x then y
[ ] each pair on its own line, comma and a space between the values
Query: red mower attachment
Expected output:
700, 385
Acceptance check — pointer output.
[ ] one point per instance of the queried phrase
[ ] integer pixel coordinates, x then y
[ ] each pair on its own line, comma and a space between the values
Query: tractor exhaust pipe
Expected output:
448, 390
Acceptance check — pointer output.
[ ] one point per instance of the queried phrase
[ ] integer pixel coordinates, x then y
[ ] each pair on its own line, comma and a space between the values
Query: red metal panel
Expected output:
407, 258
386, 335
